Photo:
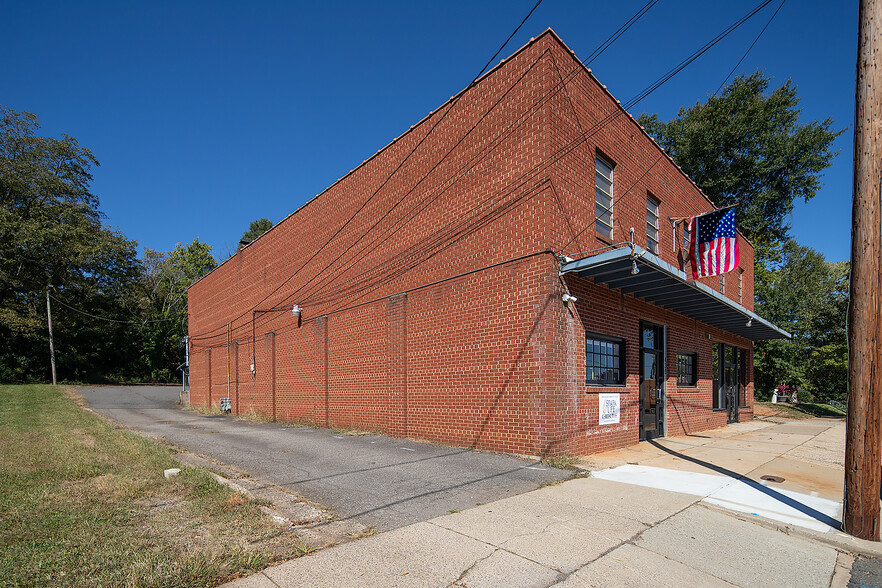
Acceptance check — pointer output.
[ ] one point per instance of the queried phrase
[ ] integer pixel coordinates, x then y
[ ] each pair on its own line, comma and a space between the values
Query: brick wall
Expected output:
604, 311
427, 309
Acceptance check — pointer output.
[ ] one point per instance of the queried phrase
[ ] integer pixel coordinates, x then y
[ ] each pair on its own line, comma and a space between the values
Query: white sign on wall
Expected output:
610, 407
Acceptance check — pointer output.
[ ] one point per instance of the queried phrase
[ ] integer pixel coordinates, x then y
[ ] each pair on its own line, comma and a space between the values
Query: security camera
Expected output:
567, 298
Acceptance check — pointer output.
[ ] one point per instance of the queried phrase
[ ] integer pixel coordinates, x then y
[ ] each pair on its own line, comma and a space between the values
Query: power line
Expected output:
649, 90
101, 318
596, 53
743, 57
513, 127
501, 47
418, 183
392, 174
621, 31
560, 84
427, 174
701, 51
602, 123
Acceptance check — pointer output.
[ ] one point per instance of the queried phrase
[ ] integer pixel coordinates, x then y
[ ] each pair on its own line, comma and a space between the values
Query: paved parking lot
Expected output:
378, 481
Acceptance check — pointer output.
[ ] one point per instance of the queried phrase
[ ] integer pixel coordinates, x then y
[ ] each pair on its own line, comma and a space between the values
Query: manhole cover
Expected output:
772, 478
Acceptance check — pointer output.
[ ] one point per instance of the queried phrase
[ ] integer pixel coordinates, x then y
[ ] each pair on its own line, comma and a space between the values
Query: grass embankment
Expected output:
801, 411
83, 504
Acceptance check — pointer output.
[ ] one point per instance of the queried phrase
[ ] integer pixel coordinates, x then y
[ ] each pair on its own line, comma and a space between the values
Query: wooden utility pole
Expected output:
863, 436
51, 339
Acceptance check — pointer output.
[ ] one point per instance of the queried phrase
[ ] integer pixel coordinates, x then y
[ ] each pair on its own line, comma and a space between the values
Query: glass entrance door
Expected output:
652, 379
729, 380
730, 383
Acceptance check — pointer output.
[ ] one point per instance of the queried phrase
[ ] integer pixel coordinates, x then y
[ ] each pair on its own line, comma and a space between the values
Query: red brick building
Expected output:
426, 294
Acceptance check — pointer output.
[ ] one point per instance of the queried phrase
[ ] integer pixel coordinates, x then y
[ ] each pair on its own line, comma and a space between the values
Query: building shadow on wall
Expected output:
676, 406
770, 492
504, 388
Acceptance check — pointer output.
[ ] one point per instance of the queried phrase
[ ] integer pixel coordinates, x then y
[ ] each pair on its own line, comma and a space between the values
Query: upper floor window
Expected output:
651, 224
603, 196
740, 286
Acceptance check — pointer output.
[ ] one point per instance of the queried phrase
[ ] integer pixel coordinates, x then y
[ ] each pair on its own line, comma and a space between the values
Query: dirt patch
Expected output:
173, 519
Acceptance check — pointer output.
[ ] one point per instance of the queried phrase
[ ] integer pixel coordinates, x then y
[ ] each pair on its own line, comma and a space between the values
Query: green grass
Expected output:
562, 462
83, 504
803, 410
820, 410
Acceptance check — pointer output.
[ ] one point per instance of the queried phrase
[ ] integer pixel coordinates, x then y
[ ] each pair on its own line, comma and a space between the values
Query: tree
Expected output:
807, 296
256, 229
166, 279
747, 146
51, 235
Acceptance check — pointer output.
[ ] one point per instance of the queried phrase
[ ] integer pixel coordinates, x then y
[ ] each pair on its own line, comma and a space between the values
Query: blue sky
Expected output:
208, 115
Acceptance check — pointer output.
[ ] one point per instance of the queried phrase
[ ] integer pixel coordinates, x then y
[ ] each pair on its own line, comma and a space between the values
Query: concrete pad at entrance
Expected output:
725, 461
676, 462
683, 481
625, 500
740, 552
745, 443
792, 508
733, 429
617, 457
712, 460
740, 494
584, 532
681, 443
814, 479
631, 566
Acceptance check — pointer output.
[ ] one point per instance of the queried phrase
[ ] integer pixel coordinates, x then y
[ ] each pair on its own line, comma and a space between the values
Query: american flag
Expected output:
713, 244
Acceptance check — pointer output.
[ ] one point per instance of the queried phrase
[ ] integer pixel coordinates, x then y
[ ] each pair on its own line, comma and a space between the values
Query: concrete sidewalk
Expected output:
601, 532
790, 472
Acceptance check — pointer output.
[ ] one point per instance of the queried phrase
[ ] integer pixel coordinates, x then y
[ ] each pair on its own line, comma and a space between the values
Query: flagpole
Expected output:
679, 219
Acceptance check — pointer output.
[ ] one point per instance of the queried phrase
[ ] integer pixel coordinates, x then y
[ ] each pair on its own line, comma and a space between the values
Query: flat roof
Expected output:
664, 285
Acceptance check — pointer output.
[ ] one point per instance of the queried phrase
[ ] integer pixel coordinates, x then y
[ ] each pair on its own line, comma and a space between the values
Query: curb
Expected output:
835, 539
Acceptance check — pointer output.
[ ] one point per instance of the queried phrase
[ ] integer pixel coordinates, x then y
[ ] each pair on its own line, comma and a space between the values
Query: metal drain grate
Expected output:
772, 478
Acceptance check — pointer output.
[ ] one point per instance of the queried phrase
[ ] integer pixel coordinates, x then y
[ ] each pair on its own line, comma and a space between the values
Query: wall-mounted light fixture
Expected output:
296, 310
749, 322
567, 298
634, 269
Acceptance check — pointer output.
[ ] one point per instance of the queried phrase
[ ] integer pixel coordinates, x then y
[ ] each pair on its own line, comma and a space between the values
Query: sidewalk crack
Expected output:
471, 567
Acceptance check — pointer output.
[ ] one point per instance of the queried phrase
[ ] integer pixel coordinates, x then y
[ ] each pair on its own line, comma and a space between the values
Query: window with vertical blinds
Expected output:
603, 196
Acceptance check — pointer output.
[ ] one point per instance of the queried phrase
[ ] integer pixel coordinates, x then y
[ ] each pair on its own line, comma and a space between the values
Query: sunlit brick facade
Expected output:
429, 287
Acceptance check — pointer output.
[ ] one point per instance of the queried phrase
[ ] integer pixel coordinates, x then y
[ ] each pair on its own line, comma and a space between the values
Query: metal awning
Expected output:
664, 285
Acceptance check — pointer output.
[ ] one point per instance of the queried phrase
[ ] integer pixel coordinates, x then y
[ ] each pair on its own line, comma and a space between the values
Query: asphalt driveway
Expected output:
378, 481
